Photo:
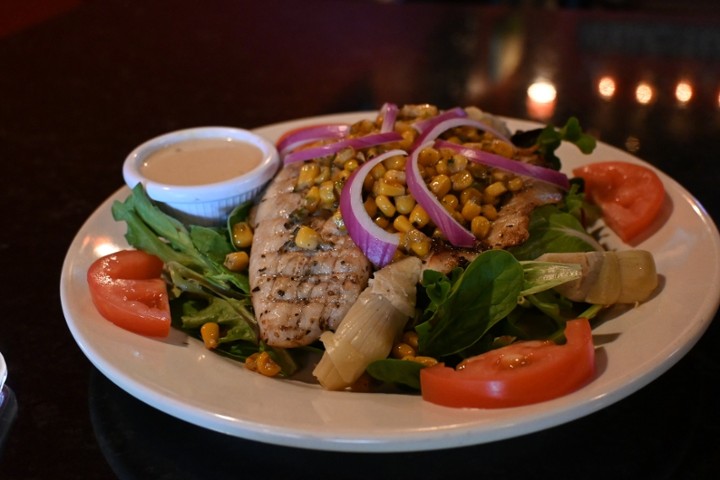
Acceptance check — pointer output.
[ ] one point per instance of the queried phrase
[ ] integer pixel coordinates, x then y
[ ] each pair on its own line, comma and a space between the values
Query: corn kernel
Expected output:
312, 198
421, 249
478, 170
370, 206
210, 333
411, 338
395, 163
470, 194
515, 184
307, 238
440, 185
395, 177
369, 183
480, 226
401, 350
323, 175
382, 221
502, 147
457, 163
382, 187
402, 224
242, 235
425, 361
458, 217
385, 205
378, 171
419, 217
489, 211
495, 189
441, 167
461, 180
340, 176
266, 365
404, 204
326, 193
428, 156
419, 243
499, 175
408, 138
364, 126
237, 261
438, 234
343, 156
251, 361
470, 210
307, 175
427, 172
351, 165
450, 202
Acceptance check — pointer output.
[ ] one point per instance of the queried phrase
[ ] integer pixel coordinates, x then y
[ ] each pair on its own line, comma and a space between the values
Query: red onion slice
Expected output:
388, 113
313, 133
437, 129
455, 233
378, 245
498, 161
356, 143
424, 125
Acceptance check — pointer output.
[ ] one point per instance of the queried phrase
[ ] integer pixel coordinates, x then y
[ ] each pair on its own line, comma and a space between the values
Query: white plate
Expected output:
179, 376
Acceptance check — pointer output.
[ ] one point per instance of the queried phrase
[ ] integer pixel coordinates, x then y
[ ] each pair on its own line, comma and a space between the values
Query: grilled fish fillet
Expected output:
508, 230
297, 294
511, 226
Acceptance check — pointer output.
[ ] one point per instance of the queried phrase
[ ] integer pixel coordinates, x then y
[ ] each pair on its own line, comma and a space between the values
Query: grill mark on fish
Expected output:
297, 294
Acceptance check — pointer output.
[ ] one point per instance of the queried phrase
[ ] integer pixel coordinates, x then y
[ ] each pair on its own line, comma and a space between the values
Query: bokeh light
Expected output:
606, 87
644, 93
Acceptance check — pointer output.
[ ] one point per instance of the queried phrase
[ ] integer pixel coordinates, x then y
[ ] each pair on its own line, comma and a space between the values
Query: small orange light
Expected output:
606, 87
683, 92
644, 93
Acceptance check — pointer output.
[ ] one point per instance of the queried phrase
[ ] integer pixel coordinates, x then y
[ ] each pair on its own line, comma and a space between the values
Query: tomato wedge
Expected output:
629, 195
126, 289
518, 374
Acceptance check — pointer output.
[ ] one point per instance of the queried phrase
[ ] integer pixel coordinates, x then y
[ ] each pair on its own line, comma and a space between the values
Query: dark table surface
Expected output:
83, 82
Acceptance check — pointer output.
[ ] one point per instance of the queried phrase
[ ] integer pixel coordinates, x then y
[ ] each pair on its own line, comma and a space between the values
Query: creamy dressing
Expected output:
201, 161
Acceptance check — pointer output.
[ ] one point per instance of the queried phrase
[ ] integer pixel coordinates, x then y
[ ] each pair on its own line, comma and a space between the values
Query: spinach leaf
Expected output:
485, 293
553, 230
398, 372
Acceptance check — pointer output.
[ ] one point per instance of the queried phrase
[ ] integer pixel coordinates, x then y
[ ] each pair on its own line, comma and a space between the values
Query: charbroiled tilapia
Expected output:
509, 229
297, 293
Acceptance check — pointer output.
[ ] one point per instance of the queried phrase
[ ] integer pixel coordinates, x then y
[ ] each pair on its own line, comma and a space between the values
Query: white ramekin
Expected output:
207, 204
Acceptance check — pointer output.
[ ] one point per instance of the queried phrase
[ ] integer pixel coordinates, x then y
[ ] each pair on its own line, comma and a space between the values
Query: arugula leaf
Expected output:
550, 139
201, 249
211, 242
485, 293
